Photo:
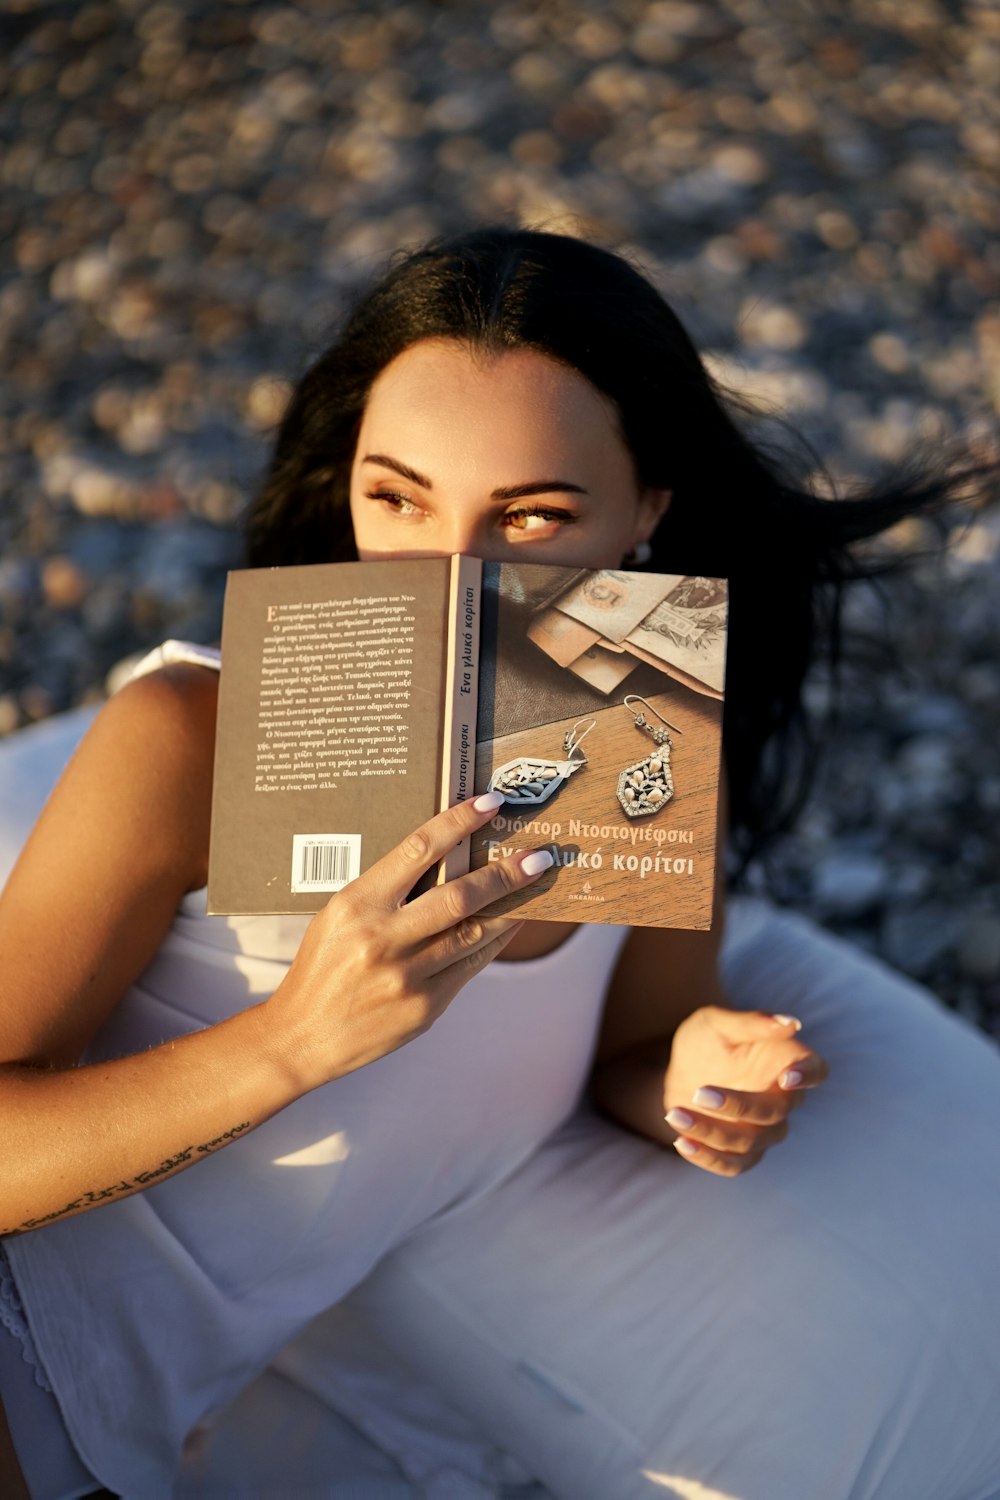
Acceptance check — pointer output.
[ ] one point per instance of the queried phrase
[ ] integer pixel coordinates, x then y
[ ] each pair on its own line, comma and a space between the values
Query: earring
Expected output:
529, 781
648, 785
639, 555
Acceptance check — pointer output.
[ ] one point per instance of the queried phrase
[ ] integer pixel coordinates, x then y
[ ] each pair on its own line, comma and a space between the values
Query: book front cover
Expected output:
348, 715
600, 718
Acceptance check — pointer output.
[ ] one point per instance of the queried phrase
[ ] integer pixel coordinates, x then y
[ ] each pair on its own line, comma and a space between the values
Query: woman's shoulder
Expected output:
166, 716
122, 836
168, 653
177, 683
142, 773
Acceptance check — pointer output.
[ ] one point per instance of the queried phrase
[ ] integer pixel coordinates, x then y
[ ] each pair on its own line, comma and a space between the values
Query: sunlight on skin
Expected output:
511, 457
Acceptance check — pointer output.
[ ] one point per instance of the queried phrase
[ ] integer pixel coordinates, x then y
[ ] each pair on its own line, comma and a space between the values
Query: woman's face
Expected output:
507, 457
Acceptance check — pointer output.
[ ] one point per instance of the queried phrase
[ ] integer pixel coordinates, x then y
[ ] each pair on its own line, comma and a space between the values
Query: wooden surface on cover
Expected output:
659, 899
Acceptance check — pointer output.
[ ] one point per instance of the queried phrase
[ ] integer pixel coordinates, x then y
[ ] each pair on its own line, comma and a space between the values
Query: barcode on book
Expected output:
324, 861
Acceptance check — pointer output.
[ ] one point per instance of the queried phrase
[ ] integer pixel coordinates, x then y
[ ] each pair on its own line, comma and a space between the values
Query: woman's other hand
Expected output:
375, 970
733, 1079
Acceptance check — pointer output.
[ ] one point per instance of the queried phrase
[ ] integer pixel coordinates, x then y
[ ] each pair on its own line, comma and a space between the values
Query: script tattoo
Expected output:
127, 1186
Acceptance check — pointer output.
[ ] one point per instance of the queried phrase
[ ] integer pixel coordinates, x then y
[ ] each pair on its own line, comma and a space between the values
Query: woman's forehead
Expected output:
519, 393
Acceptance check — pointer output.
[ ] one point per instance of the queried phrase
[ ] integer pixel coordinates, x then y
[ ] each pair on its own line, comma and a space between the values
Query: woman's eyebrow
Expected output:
403, 469
539, 487
505, 492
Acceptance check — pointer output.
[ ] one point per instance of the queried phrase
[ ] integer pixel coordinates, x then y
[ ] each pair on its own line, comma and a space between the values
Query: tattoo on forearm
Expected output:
121, 1189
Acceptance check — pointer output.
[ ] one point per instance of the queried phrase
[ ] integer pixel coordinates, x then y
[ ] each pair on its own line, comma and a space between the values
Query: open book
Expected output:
358, 699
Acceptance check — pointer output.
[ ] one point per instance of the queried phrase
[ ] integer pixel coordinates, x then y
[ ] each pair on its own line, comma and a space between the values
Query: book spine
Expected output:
458, 758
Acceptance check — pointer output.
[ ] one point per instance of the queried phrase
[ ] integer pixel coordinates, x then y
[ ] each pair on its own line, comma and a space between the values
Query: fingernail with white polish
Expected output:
708, 1098
791, 1079
788, 1021
679, 1119
488, 801
537, 861
685, 1147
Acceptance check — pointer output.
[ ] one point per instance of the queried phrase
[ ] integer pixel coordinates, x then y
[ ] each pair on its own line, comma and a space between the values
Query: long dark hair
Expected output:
735, 513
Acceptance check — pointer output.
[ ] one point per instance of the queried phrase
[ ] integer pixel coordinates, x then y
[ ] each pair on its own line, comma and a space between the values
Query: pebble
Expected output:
63, 584
741, 164
978, 951
941, 718
847, 884
191, 193
774, 325
10, 714
926, 766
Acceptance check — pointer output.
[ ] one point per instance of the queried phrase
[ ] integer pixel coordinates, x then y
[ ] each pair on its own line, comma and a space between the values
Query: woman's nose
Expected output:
465, 535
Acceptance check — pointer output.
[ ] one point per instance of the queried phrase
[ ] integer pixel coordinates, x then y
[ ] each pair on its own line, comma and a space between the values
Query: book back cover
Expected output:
328, 748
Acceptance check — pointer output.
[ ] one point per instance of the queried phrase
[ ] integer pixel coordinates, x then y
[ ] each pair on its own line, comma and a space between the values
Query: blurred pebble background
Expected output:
190, 193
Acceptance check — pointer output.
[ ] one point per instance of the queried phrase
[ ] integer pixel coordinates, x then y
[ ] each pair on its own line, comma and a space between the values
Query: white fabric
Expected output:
338, 1409
51, 1466
154, 1310
623, 1323
824, 1328
185, 1290
176, 651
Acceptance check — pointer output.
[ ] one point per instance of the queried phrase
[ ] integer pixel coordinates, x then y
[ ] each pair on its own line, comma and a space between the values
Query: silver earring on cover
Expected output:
639, 556
528, 781
648, 785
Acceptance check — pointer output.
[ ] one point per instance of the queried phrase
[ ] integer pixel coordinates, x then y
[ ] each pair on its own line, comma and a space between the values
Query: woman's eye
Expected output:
535, 520
401, 504
523, 519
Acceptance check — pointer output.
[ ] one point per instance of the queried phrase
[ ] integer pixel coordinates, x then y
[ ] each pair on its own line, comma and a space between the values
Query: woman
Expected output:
623, 1321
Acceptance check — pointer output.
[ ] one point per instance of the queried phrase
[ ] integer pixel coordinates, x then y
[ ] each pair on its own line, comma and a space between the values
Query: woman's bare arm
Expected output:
679, 1066
124, 835
662, 977
121, 839
676, 1064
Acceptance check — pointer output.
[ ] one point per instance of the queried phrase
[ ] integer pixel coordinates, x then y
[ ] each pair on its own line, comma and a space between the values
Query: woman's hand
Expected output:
374, 971
732, 1081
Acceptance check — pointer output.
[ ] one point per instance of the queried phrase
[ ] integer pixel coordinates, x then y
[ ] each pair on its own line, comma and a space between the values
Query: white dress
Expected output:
556, 1300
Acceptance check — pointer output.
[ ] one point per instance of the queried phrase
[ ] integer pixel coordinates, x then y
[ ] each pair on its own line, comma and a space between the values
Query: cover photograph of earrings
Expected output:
600, 717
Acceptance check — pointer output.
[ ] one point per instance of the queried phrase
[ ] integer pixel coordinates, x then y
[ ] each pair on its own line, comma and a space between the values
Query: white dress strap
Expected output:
176, 651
